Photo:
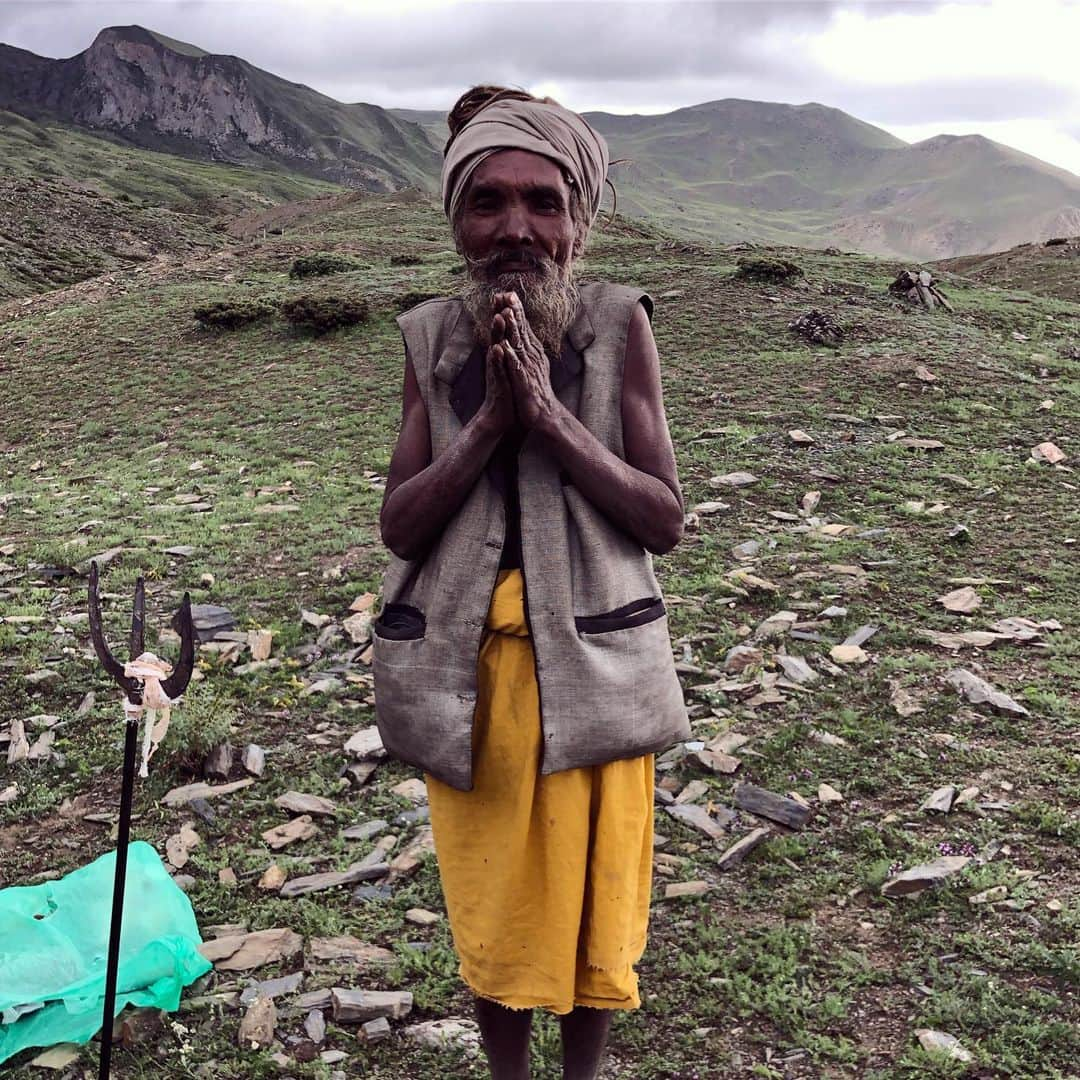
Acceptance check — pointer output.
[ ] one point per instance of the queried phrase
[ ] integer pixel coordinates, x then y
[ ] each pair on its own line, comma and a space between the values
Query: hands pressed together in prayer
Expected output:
518, 377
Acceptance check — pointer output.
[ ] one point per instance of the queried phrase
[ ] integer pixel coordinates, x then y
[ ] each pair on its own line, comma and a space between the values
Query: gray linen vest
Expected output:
599, 628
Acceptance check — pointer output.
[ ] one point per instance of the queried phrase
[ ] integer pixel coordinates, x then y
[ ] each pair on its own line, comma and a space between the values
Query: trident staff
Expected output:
148, 687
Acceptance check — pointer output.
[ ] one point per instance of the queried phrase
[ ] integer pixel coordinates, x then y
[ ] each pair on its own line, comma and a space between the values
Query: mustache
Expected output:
499, 262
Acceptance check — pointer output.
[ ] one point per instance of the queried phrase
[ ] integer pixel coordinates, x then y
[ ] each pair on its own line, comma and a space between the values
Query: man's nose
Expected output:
515, 228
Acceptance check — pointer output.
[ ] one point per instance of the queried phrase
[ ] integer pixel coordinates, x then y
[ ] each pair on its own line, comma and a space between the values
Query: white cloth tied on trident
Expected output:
150, 670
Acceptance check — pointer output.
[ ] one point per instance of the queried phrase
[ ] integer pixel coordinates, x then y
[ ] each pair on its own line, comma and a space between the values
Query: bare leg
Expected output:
584, 1036
505, 1033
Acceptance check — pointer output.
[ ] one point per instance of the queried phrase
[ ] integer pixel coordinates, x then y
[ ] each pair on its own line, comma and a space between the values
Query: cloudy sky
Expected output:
1007, 69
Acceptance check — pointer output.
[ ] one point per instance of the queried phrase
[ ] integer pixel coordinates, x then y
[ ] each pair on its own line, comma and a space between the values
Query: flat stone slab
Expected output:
301, 886
742, 847
767, 804
924, 876
358, 1006
699, 818
297, 802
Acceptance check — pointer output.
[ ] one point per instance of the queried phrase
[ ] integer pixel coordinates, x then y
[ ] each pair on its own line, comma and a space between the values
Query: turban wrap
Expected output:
542, 128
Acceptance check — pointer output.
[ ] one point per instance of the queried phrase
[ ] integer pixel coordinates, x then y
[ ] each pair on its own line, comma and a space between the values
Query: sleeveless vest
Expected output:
599, 628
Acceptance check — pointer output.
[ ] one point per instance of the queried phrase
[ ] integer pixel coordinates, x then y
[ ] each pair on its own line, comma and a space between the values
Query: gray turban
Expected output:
509, 124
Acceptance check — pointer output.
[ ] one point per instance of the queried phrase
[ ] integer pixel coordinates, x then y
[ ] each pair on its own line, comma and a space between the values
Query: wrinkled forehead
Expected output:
518, 170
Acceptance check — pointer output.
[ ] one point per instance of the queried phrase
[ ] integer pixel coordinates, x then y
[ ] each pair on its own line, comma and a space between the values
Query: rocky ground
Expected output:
867, 857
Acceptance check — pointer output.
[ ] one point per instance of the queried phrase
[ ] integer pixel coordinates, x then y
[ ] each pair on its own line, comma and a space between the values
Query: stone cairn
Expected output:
919, 288
818, 327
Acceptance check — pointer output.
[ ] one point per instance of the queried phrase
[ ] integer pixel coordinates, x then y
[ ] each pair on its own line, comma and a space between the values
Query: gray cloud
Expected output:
417, 55
622, 55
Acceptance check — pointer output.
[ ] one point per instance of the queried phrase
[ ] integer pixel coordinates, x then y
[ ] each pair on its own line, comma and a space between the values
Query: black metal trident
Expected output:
172, 687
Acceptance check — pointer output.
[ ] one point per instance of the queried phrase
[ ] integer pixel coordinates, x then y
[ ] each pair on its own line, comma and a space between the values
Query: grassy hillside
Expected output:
263, 452
1052, 270
56, 151
813, 175
74, 205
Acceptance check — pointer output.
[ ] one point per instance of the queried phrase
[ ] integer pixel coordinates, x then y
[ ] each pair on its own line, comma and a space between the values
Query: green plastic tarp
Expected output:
54, 939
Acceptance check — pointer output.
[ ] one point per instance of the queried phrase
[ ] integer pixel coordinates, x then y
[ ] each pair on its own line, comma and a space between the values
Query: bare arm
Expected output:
422, 495
640, 495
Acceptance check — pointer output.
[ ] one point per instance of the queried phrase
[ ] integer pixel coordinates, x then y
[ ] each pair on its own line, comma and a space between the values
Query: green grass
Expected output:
794, 964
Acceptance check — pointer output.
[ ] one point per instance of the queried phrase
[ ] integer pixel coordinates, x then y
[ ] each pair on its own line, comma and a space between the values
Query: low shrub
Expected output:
320, 314
772, 270
231, 314
323, 263
202, 720
411, 299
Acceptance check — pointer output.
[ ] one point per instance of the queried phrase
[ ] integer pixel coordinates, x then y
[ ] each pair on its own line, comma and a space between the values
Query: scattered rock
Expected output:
376, 1030
281, 836
413, 789
941, 800
254, 759
366, 744
685, 888
257, 1026
178, 848
273, 878
218, 762
828, 794
763, 803
58, 1057
464, 1034
700, 819
190, 792
989, 896
848, 654
796, 668
963, 601
245, 952
422, 917
297, 802
980, 692
924, 876
315, 1026
350, 949
741, 848
260, 643
356, 1006
302, 886
734, 479
1049, 453
940, 1042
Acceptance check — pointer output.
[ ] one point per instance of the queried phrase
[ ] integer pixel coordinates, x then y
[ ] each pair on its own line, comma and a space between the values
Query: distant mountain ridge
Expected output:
724, 170
167, 95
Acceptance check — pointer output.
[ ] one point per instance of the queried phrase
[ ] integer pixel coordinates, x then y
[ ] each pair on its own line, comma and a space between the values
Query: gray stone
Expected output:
756, 800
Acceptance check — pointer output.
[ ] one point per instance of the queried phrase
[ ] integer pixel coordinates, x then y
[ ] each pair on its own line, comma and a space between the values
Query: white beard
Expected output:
548, 294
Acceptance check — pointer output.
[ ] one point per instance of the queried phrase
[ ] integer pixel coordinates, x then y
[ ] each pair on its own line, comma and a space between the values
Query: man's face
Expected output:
516, 233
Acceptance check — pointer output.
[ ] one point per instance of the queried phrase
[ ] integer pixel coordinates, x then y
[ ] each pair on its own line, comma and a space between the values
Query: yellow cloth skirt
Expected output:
546, 878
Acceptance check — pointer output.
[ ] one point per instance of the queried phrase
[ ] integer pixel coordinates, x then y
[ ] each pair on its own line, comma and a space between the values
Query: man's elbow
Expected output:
391, 540
670, 537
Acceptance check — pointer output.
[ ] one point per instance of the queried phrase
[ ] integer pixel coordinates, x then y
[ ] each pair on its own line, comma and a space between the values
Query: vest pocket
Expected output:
636, 613
400, 622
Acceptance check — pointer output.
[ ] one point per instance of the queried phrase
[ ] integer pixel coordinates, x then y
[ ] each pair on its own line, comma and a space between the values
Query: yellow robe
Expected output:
546, 878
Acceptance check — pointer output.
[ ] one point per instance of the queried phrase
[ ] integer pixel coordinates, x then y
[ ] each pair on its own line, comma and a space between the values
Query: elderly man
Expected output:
522, 656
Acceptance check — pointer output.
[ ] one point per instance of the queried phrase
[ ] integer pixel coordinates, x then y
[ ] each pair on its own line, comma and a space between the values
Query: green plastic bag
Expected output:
54, 939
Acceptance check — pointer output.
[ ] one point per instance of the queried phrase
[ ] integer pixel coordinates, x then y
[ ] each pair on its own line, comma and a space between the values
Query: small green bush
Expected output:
201, 721
231, 314
323, 263
320, 314
411, 299
772, 270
